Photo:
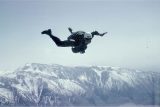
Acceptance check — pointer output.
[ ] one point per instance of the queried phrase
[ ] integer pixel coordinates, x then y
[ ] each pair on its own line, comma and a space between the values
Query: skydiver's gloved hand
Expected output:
70, 29
103, 34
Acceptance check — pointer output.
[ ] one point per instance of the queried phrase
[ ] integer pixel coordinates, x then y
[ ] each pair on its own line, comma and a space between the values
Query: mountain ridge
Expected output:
53, 84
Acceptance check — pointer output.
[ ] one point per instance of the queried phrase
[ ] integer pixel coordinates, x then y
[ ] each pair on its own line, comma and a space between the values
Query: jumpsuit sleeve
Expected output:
97, 33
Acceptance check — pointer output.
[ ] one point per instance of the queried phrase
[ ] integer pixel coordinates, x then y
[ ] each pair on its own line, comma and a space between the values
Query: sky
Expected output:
133, 26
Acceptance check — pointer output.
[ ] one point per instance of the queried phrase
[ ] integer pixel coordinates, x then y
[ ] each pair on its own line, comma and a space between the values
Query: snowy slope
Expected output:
42, 84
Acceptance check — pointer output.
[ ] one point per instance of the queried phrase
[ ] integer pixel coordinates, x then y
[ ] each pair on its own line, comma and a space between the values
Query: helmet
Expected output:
87, 35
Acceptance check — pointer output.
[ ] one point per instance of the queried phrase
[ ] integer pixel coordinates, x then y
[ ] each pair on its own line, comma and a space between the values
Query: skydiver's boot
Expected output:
47, 32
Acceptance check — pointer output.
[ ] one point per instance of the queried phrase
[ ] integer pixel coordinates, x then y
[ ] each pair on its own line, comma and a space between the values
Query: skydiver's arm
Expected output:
70, 29
71, 37
97, 33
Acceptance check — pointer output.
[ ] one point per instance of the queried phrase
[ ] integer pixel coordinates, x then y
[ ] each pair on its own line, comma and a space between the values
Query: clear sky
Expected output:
133, 26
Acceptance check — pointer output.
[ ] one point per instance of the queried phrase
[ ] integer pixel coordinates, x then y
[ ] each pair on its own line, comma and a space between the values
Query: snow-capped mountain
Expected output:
42, 84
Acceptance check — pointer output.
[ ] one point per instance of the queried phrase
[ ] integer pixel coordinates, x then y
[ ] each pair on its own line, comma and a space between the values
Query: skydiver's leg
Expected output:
57, 41
60, 43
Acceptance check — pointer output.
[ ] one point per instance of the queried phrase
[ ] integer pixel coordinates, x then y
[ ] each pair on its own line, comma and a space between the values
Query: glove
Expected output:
103, 34
70, 29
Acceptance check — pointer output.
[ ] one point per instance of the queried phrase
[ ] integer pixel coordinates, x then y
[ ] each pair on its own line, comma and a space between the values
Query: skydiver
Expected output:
77, 40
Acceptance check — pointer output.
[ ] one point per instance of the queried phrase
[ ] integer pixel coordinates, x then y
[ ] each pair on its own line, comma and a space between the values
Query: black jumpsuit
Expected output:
76, 41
